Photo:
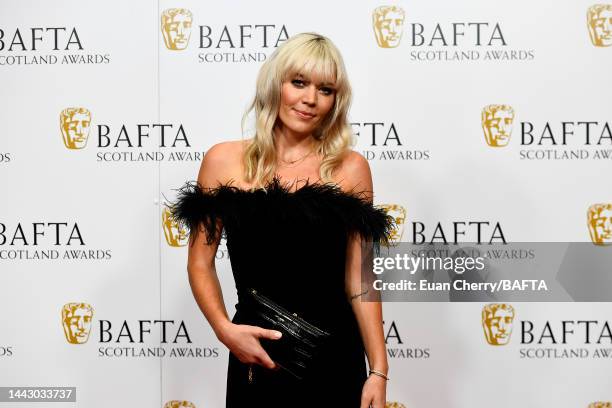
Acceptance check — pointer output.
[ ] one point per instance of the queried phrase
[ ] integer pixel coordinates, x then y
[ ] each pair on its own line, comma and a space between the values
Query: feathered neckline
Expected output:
278, 186
351, 211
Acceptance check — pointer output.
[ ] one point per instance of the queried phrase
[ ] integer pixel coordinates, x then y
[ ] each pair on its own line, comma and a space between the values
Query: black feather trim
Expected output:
196, 206
351, 211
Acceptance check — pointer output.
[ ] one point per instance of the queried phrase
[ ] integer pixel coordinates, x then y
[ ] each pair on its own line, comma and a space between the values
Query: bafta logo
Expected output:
388, 23
599, 218
497, 124
76, 320
179, 404
394, 405
497, 321
176, 28
399, 217
600, 404
75, 124
599, 20
176, 235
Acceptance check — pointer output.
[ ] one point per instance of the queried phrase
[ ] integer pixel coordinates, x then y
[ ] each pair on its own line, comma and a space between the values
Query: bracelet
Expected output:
380, 374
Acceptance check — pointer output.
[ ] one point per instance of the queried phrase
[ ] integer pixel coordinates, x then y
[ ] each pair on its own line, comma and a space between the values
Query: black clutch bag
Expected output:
300, 341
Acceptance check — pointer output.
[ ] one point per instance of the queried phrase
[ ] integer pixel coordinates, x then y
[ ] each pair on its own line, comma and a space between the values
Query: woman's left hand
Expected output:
374, 392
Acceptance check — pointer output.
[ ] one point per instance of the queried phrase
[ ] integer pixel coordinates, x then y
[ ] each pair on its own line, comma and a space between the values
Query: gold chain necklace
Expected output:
289, 163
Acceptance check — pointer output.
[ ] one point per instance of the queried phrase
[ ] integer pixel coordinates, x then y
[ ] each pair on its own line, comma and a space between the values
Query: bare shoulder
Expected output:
221, 163
354, 174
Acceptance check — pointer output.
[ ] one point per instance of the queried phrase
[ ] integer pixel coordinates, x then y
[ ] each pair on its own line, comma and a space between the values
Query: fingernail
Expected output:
278, 335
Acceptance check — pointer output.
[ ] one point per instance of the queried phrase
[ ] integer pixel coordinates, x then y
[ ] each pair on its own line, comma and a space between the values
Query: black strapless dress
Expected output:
291, 247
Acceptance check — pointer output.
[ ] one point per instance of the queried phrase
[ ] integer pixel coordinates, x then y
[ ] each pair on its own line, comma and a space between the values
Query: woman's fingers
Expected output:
365, 402
266, 361
373, 393
268, 334
262, 356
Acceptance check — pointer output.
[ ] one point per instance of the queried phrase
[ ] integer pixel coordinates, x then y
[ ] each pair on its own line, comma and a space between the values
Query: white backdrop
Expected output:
428, 154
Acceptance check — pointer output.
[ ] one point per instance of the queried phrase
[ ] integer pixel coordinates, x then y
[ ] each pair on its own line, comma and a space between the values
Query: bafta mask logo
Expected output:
599, 20
388, 23
76, 320
394, 405
179, 404
497, 321
497, 124
599, 218
600, 404
176, 28
75, 124
176, 235
399, 217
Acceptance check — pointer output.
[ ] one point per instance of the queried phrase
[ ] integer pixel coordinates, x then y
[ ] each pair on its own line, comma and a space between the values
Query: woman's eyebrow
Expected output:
320, 83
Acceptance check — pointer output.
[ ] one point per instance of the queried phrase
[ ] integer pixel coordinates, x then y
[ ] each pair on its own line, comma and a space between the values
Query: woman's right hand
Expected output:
243, 341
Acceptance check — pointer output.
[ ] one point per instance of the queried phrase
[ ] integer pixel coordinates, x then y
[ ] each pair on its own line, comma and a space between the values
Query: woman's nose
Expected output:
310, 95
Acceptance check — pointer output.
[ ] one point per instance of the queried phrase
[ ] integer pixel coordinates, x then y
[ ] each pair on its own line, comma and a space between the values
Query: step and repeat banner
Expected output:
483, 122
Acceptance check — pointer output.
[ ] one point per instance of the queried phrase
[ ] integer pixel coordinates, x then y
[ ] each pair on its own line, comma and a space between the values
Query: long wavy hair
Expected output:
308, 54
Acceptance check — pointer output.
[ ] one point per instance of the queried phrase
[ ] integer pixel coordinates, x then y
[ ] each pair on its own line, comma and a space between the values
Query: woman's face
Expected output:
305, 101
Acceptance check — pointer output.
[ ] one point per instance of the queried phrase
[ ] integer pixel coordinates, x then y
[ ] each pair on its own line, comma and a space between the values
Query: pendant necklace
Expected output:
290, 163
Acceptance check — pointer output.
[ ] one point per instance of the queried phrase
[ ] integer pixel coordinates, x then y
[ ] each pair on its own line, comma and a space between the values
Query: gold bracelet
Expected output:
380, 374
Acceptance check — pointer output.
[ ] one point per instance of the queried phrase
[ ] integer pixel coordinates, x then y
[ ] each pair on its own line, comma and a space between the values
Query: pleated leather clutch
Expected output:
300, 342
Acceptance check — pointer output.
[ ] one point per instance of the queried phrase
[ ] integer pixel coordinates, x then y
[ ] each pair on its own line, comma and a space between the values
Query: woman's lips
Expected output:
304, 115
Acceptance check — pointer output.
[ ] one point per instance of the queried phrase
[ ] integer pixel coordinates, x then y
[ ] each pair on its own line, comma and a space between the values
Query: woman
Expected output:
294, 203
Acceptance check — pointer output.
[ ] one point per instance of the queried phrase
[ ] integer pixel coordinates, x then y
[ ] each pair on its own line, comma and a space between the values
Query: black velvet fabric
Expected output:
291, 247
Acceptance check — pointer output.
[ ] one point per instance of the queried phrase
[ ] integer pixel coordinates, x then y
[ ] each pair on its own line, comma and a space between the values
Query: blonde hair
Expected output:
305, 53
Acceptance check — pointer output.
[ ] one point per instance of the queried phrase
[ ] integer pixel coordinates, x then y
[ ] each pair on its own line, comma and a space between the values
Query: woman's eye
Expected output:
327, 91
297, 82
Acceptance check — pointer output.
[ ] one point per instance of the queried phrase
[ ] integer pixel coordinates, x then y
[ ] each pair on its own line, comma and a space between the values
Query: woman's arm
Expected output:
242, 340
201, 268
368, 314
